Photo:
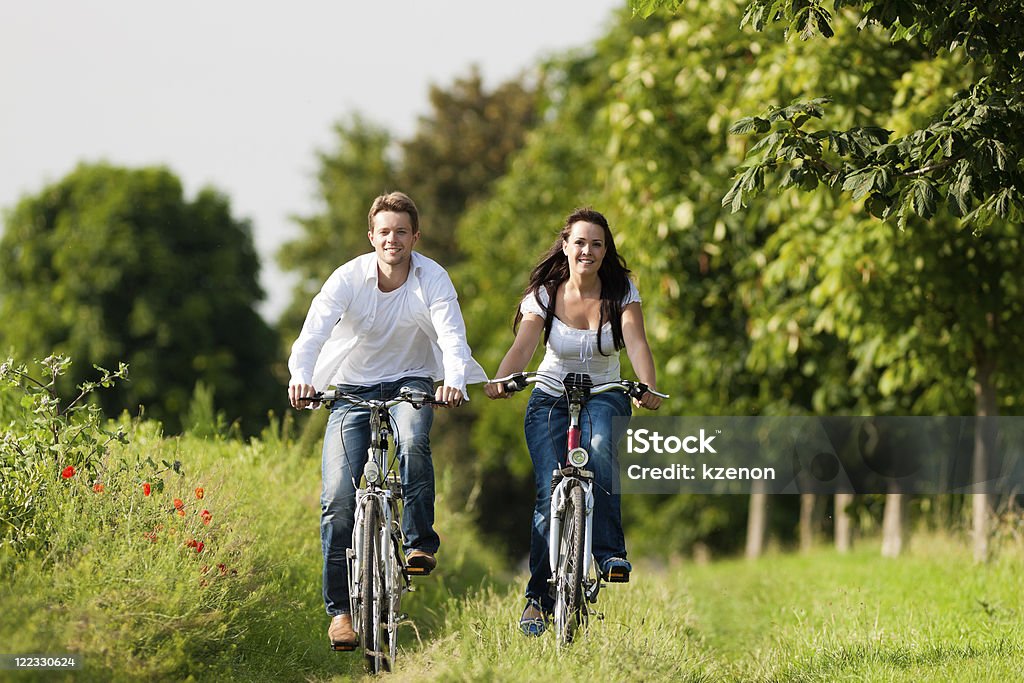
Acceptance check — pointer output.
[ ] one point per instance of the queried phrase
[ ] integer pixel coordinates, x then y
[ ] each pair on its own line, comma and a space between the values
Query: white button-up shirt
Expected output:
344, 310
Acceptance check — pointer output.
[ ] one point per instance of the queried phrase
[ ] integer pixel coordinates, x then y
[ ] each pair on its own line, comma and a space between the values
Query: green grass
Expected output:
133, 608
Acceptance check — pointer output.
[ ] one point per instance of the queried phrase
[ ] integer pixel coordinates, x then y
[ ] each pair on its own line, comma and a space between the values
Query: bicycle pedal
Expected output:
617, 576
343, 647
417, 571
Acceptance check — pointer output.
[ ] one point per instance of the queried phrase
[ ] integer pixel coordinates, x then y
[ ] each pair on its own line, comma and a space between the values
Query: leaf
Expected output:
750, 124
924, 197
860, 182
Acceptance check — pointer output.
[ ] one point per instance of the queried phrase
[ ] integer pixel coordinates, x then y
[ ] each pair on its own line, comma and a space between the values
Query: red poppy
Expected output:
178, 504
98, 488
206, 516
146, 488
199, 492
199, 547
181, 513
68, 472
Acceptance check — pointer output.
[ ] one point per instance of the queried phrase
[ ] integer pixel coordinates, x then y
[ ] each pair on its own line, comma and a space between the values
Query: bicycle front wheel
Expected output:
373, 606
569, 609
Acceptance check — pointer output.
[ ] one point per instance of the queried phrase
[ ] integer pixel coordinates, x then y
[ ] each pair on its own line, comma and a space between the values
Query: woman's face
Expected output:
585, 248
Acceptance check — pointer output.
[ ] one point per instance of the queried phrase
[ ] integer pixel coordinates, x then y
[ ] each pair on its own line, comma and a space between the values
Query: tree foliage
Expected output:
966, 155
349, 176
113, 265
459, 149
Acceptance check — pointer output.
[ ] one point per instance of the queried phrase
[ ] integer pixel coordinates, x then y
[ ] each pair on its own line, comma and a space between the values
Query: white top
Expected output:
356, 334
573, 350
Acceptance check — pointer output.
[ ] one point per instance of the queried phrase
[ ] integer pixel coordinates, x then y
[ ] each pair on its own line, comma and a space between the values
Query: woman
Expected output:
581, 300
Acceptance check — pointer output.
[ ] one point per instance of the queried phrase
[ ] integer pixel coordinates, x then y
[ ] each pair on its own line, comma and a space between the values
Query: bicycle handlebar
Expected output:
417, 399
518, 381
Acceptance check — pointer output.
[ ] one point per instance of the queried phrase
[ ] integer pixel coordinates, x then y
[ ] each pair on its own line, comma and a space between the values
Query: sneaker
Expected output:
340, 633
420, 563
533, 622
616, 570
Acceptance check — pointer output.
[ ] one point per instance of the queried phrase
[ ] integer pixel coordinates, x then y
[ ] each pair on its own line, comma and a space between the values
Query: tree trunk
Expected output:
843, 524
894, 524
985, 407
757, 521
808, 502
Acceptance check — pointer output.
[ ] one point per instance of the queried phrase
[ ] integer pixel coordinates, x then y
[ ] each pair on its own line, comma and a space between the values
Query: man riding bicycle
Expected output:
382, 322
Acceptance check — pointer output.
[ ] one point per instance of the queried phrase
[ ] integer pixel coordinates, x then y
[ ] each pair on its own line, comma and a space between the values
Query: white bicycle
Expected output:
574, 575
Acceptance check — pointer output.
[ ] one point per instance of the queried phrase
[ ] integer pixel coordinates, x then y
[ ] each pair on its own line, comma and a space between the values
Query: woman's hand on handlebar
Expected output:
496, 390
298, 396
648, 400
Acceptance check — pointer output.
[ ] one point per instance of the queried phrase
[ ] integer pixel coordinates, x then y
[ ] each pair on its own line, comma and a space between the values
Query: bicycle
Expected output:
574, 575
378, 576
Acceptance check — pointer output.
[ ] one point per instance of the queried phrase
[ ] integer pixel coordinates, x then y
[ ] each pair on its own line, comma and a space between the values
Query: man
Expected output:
382, 322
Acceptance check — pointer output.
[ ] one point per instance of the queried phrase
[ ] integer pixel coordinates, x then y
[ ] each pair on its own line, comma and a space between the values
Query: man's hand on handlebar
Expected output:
452, 396
298, 395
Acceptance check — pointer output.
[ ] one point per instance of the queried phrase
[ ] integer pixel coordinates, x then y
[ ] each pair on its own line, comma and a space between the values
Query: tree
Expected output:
969, 153
350, 175
114, 265
459, 149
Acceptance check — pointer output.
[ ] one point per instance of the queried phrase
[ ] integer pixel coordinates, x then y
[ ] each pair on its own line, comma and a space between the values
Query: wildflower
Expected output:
191, 543
146, 488
223, 568
178, 504
151, 535
199, 547
181, 513
98, 488
200, 493
68, 472
206, 516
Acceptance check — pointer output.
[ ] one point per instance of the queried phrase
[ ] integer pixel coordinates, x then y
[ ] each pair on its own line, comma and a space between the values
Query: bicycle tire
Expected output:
569, 607
371, 607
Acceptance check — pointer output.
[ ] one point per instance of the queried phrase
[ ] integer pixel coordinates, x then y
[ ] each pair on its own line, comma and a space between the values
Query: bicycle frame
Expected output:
570, 610
379, 493
568, 477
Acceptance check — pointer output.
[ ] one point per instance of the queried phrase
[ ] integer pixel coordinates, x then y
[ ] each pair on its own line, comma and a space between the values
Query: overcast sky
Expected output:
240, 95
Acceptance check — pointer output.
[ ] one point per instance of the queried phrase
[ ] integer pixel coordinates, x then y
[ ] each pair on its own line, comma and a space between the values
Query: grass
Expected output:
135, 608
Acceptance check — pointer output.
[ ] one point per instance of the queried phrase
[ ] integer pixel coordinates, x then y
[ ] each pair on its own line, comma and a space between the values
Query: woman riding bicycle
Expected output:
581, 300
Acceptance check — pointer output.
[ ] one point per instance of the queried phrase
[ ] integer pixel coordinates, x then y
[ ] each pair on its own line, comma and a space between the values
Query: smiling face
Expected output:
585, 248
392, 238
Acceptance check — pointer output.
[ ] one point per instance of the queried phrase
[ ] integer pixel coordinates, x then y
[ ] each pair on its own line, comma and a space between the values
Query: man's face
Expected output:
392, 237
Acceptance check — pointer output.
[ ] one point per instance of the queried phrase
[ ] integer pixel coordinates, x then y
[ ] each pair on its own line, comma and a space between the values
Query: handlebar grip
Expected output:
516, 383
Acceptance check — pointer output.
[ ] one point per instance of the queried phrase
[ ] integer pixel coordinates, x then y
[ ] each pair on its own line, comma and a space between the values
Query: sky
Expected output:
241, 95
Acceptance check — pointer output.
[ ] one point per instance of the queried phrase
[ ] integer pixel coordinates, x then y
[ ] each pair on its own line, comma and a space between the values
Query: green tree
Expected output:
460, 148
358, 168
968, 153
114, 265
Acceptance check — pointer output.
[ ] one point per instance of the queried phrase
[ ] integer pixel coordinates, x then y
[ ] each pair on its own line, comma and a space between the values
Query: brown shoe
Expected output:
419, 563
340, 633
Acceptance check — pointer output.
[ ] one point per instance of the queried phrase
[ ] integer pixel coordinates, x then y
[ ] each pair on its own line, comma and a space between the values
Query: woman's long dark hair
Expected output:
553, 270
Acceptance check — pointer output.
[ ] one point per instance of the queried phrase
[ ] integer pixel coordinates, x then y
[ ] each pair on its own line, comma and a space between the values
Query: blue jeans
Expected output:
547, 422
344, 454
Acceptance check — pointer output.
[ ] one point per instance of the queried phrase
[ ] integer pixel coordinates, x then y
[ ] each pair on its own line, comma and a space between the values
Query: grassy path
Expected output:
124, 587
823, 617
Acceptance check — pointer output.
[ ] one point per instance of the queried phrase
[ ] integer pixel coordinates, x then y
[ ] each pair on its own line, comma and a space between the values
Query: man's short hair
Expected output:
399, 202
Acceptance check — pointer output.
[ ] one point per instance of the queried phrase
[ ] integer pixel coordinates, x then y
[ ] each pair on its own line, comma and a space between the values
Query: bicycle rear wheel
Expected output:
570, 612
373, 606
